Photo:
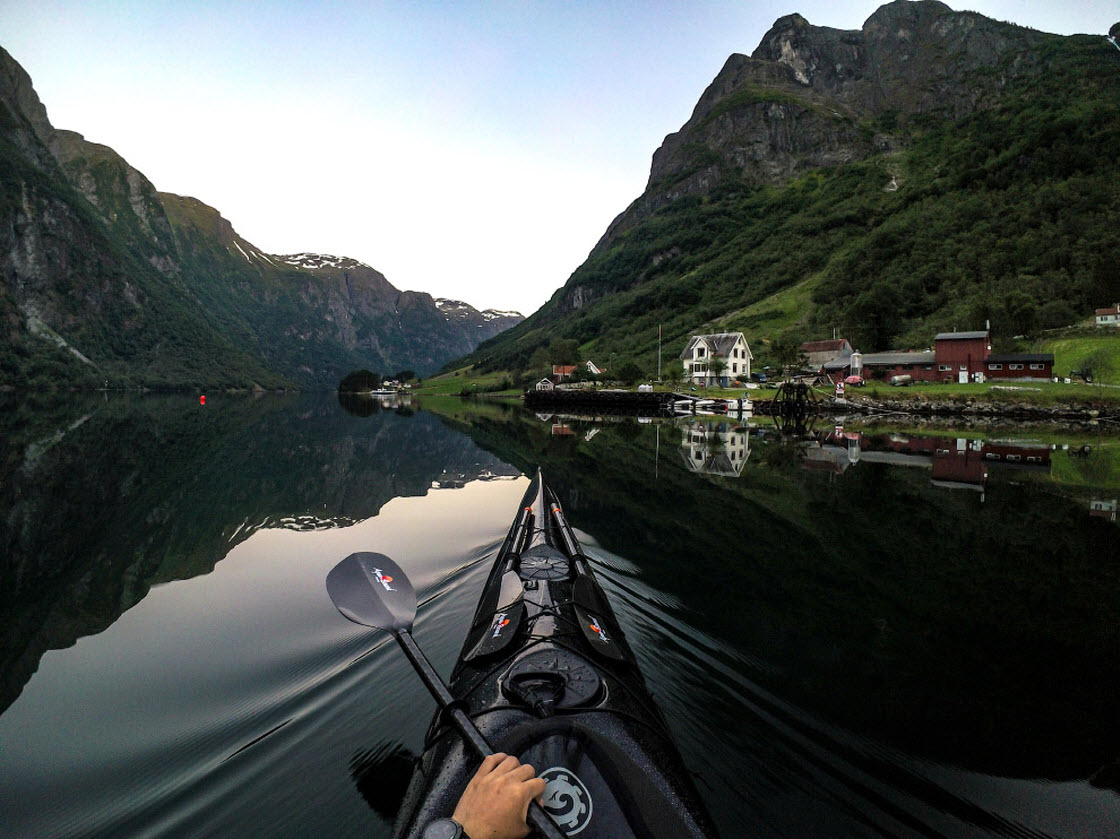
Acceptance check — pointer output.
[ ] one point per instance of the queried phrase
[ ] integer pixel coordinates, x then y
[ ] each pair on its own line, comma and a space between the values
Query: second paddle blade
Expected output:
371, 589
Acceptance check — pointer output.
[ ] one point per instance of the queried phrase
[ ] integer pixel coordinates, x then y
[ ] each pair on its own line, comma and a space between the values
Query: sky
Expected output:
472, 150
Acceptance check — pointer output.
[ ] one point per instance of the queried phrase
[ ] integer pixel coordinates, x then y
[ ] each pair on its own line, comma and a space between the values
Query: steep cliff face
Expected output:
812, 96
80, 305
102, 278
126, 200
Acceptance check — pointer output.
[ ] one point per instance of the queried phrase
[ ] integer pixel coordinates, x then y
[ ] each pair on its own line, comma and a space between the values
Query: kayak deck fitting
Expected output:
546, 675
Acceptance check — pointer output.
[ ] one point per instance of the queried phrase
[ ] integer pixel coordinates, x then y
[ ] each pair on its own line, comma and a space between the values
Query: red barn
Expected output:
961, 356
1019, 366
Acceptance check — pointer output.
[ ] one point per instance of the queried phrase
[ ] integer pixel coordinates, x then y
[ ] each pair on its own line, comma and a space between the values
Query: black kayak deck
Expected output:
547, 675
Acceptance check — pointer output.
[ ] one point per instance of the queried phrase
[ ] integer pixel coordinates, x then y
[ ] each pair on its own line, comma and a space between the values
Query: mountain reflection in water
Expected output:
850, 634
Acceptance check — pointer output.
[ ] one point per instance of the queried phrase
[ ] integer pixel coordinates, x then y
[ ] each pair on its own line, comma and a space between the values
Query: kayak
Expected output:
546, 674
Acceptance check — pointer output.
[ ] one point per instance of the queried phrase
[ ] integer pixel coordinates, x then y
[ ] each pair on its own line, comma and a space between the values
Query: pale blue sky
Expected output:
470, 150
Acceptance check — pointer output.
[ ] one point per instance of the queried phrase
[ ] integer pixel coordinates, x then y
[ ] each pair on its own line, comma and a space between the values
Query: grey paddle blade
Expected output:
372, 590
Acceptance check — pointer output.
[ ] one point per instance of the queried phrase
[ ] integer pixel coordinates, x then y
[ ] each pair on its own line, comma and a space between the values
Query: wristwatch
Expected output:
444, 829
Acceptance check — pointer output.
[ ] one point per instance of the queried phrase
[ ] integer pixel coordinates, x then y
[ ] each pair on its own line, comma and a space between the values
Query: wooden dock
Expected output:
649, 403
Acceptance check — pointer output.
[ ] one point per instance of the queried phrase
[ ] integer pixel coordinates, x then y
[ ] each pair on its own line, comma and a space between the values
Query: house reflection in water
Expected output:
719, 448
1104, 508
954, 462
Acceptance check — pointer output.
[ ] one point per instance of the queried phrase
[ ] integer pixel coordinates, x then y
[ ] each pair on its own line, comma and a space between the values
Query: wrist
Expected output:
445, 829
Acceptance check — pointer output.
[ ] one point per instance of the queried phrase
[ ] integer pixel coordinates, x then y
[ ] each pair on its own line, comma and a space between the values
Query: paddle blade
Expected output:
372, 590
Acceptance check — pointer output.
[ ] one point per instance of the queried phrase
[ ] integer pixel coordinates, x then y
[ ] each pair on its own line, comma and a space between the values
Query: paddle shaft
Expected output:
538, 819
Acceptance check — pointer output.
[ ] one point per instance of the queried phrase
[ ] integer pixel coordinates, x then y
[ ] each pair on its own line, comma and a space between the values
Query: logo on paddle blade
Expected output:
384, 579
598, 630
566, 799
500, 622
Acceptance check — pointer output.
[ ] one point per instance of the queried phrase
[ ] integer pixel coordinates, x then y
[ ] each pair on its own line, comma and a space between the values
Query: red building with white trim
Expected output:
961, 355
957, 357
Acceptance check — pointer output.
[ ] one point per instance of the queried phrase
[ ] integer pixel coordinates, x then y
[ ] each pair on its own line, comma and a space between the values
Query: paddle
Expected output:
372, 590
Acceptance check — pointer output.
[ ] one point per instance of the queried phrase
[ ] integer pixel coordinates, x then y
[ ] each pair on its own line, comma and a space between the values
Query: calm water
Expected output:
850, 634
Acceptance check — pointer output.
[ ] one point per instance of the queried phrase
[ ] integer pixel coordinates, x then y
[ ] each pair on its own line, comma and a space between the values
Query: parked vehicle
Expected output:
758, 377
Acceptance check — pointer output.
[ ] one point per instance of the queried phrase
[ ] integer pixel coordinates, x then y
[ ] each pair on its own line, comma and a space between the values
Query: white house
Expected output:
1109, 317
729, 347
545, 384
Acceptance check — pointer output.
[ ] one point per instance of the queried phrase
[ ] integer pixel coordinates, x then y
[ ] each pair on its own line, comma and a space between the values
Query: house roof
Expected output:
1111, 310
562, 369
889, 359
1018, 357
837, 345
720, 343
960, 336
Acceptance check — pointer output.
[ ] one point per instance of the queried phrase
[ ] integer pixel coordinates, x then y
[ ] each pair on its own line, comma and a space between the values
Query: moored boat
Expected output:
546, 674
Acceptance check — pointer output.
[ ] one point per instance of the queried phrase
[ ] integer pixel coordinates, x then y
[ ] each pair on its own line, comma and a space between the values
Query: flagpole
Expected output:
658, 352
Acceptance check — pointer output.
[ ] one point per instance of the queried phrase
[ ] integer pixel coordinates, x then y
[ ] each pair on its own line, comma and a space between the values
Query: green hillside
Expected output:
1007, 214
1100, 352
124, 322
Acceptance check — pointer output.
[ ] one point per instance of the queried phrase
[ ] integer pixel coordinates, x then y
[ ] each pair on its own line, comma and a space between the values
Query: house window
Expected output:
995, 366
1014, 366
699, 352
945, 368
734, 368
1038, 366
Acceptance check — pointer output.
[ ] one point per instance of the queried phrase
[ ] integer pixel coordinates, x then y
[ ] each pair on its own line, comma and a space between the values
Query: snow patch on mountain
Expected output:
318, 261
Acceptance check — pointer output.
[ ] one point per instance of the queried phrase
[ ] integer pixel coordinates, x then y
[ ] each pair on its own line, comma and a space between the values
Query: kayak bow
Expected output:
546, 674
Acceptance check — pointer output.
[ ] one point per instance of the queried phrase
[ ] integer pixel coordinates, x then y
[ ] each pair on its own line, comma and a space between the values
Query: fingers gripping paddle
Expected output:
372, 590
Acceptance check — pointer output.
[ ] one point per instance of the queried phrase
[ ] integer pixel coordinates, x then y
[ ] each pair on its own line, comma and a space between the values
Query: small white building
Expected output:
545, 384
730, 347
1109, 316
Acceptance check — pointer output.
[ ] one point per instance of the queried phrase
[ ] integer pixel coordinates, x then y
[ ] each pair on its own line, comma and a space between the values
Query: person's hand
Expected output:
496, 801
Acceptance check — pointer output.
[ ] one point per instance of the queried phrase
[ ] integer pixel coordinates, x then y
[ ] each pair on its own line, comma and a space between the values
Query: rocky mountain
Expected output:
313, 316
105, 279
933, 169
489, 322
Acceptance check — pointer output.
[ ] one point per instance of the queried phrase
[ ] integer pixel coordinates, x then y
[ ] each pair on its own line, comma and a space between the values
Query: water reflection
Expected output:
106, 498
843, 643
716, 448
954, 462
970, 627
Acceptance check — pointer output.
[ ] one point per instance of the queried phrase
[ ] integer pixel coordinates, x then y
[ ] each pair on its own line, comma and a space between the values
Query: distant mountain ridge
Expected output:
105, 279
487, 319
932, 170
